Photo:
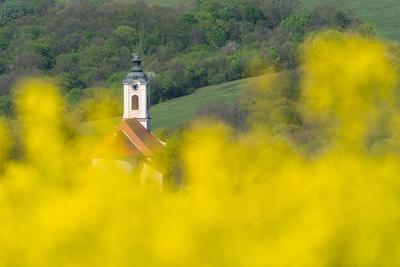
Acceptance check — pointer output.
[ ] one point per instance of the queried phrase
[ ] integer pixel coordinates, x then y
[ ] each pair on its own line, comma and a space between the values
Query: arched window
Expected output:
135, 102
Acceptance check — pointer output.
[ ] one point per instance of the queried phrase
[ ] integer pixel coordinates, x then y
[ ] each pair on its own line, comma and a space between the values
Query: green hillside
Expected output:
384, 15
180, 110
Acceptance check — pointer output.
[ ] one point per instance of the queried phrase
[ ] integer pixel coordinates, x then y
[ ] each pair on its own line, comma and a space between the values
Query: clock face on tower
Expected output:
135, 87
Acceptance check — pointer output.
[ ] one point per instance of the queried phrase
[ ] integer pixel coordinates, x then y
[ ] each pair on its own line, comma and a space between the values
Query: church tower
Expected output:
136, 94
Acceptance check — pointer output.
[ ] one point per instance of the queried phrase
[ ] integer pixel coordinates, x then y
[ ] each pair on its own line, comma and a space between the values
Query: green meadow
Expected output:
178, 111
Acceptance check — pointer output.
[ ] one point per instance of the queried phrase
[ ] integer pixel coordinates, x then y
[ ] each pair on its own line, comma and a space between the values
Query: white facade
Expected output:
150, 177
136, 101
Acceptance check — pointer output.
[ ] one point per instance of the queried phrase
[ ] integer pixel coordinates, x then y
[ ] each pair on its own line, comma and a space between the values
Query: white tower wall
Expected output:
136, 84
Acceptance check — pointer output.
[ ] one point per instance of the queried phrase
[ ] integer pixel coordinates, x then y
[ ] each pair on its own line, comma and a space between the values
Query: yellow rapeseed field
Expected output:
250, 200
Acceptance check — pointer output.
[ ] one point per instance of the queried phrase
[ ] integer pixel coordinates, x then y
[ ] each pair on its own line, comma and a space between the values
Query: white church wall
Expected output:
142, 113
107, 164
150, 177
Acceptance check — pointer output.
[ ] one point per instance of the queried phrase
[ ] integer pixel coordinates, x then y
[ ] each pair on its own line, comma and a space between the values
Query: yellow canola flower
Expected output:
347, 79
249, 200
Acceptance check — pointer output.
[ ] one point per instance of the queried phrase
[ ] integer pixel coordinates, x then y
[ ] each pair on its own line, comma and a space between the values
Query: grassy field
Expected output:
384, 15
180, 110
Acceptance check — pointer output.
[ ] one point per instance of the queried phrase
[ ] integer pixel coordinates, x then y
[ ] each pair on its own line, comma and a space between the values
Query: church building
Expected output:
136, 144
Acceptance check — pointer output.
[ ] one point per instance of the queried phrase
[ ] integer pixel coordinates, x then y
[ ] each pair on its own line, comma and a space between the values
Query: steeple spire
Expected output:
136, 72
136, 63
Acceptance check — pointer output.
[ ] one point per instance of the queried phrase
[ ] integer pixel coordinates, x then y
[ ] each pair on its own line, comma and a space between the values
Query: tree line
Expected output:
84, 44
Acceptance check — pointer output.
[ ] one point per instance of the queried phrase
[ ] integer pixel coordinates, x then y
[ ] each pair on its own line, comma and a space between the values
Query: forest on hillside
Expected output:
301, 169
88, 44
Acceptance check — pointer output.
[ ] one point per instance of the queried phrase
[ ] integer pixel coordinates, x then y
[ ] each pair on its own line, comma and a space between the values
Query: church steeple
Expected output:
136, 97
136, 72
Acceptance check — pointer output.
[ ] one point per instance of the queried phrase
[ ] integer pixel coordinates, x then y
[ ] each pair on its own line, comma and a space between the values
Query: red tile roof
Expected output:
129, 139
116, 146
140, 139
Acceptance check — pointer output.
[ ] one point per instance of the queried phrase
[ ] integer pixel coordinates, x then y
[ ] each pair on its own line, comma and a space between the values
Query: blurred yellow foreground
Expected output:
250, 201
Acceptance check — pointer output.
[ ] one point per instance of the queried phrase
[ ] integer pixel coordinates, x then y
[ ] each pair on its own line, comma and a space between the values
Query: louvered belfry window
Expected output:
135, 102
